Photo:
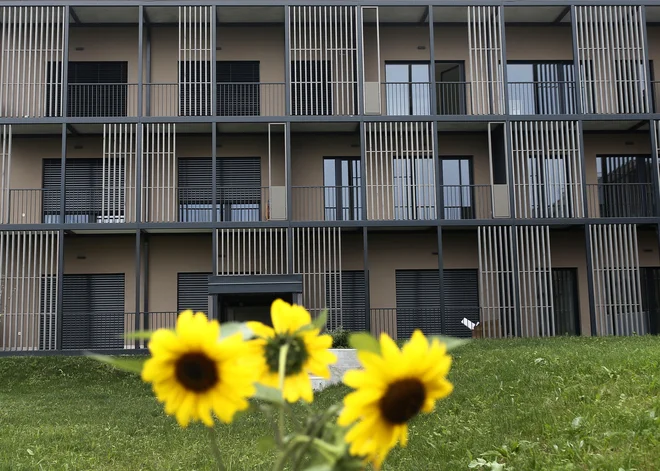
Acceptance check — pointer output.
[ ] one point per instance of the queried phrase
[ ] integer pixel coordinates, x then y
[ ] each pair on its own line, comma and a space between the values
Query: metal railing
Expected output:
620, 200
406, 98
532, 98
402, 322
232, 99
238, 204
326, 203
467, 202
101, 100
453, 98
25, 205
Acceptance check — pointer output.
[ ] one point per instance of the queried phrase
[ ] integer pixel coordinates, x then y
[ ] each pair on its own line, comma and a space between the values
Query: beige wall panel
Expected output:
539, 44
103, 254
475, 145
352, 255
106, 44
614, 144
653, 36
459, 249
568, 251
169, 255
647, 244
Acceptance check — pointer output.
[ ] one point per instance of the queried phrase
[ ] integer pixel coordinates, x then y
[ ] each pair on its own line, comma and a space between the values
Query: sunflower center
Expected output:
196, 372
402, 401
295, 357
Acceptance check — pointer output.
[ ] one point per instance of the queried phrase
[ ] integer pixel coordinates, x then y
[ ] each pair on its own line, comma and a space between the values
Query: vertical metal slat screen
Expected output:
535, 282
159, 173
612, 58
323, 52
31, 55
547, 174
617, 291
317, 257
496, 282
28, 290
119, 173
400, 171
252, 251
485, 59
194, 68
5, 172
353, 299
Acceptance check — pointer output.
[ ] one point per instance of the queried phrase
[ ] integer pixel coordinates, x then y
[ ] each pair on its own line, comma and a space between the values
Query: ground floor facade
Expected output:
78, 291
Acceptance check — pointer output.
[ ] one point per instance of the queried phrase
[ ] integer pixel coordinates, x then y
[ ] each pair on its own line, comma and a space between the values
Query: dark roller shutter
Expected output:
47, 322
97, 89
353, 299
93, 311
238, 88
418, 301
193, 292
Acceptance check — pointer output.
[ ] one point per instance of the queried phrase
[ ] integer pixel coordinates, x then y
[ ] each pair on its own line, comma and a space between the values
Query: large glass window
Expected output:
407, 89
341, 182
457, 188
541, 87
451, 87
414, 192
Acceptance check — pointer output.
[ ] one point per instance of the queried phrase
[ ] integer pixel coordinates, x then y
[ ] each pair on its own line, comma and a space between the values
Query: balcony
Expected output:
233, 99
414, 98
542, 98
620, 200
326, 203
233, 205
102, 100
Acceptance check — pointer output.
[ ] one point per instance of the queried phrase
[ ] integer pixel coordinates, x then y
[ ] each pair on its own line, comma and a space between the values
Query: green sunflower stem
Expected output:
282, 374
215, 449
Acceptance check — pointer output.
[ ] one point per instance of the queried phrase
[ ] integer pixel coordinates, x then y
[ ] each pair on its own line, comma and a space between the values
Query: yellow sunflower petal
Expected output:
261, 330
288, 318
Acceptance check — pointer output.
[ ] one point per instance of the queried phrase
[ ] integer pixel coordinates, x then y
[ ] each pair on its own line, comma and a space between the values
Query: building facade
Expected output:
411, 164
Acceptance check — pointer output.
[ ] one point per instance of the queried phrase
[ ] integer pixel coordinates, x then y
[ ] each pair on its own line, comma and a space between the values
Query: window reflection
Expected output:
414, 195
457, 189
341, 181
541, 88
407, 89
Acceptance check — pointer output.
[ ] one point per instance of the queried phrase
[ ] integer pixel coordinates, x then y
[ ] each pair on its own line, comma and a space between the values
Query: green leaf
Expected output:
132, 365
364, 342
321, 320
451, 342
266, 393
230, 328
139, 335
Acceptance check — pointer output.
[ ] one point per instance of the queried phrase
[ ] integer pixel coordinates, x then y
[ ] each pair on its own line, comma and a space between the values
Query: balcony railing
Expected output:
246, 204
453, 98
620, 200
534, 98
102, 100
232, 99
467, 202
402, 322
326, 203
414, 98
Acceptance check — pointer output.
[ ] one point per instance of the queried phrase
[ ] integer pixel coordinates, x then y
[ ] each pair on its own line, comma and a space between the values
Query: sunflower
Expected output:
308, 351
194, 373
394, 387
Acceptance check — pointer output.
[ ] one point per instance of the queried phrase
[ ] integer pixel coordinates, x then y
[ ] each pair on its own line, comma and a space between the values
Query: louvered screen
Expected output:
311, 93
353, 299
565, 301
238, 92
93, 311
193, 292
84, 188
97, 89
47, 321
418, 301
194, 91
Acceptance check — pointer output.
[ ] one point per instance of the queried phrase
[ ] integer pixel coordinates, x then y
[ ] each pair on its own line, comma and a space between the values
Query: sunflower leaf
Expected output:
230, 328
450, 342
132, 365
321, 320
364, 342
266, 393
139, 335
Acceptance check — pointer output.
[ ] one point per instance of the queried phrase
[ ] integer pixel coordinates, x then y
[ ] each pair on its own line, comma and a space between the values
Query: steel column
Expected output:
367, 290
60, 291
148, 98
363, 167
140, 65
505, 80
653, 129
214, 53
62, 217
441, 282
590, 282
145, 282
360, 71
289, 199
139, 130
65, 63
576, 64
434, 90
287, 62
439, 187
138, 269
214, 173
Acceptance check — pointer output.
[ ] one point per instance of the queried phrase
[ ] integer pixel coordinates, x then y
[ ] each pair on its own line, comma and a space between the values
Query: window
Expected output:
238, 92
97, 89
407, 89
414, 193
624, 185
565, 301
451, 87
238, 189
85, 191
549, 195
341, 181
650, 286
457, 187
311, 91
541, 87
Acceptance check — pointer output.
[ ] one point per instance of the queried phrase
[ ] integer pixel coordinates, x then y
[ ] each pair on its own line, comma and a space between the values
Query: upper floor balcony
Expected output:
200, 61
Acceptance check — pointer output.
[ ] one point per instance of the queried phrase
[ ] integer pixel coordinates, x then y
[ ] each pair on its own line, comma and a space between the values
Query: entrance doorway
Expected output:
248, 307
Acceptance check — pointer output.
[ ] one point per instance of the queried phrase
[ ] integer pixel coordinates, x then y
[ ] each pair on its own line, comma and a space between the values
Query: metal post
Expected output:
139, 130
367, 295
287, 61
213, 65
441, 283
576, 65
433, 85
145, 283
363, 167
590, 281
360, 45
62, 218
214, 174
214, 269
138, 269
647, 66
65, 63
148, 103
439, 187
60, 289
505, 79
654, 165
289, 199
140, 111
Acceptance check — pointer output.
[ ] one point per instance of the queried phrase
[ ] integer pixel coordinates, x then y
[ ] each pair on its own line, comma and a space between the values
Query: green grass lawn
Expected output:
555, 404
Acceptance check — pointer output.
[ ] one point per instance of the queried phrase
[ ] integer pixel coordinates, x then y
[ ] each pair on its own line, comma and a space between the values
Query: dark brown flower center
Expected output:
402, 401
295, 358
196, 372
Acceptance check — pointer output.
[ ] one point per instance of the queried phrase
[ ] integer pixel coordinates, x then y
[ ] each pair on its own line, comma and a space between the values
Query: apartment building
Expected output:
409, 164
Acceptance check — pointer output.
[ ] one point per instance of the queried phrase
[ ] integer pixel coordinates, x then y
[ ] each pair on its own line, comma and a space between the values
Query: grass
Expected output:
547, 404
